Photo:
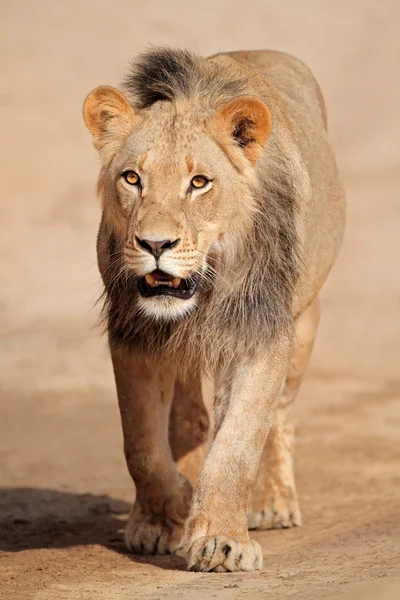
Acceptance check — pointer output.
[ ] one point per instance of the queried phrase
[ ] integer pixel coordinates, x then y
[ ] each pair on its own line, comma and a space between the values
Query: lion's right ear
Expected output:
108, 115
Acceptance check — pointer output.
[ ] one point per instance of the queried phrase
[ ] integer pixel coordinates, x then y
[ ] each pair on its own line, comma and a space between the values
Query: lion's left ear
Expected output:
249, 122
108, 115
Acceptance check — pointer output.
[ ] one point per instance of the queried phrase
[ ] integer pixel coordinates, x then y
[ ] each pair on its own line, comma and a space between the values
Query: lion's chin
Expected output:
165, 307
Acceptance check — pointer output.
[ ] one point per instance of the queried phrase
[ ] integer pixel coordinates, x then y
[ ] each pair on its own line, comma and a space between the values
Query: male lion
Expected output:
223, 213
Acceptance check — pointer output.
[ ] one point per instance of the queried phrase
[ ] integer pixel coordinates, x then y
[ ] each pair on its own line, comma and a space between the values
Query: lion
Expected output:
222, 214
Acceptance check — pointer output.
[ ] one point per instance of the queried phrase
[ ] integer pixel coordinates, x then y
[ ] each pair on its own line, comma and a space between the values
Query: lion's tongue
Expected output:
157, 278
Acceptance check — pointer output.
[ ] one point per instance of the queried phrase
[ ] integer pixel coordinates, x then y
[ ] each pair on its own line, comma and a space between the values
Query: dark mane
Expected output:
172, 74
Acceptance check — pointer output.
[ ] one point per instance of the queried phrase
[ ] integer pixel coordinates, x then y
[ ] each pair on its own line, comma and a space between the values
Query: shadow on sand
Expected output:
33, 518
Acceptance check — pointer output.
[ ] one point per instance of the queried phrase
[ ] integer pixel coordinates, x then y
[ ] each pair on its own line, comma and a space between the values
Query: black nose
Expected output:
157, 248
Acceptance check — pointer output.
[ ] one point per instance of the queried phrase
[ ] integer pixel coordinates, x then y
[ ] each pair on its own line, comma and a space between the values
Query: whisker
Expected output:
210, 270
217, 261
117, 261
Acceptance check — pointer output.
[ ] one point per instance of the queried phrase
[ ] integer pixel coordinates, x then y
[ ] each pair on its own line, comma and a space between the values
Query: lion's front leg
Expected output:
274, 501
163, 496
216, 536
188, 427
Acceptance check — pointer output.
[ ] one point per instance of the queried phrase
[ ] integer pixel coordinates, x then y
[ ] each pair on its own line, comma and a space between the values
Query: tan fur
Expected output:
262, 237
274, 502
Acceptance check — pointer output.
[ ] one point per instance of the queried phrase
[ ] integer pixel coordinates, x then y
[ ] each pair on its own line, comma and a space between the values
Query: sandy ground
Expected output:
64, 490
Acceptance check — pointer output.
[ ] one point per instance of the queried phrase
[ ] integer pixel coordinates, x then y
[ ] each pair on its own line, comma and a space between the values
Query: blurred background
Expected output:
59, 427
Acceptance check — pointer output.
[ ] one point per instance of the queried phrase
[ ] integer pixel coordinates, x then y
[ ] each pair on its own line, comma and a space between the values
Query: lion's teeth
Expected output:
151, 280
154, 282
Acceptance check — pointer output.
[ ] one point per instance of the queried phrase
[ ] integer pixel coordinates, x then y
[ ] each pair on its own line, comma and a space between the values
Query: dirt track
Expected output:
64, 487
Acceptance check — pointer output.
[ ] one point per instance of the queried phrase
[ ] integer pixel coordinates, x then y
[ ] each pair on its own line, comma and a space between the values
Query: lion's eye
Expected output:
199, 181
131, 177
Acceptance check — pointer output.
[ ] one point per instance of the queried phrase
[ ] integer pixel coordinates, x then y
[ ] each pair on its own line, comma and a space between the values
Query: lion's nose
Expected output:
156, 248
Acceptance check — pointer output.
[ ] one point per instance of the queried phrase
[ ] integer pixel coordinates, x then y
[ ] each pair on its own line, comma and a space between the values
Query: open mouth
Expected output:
159, 283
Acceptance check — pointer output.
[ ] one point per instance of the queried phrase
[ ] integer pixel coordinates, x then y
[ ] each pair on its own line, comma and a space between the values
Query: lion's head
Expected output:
198, 242
177, 177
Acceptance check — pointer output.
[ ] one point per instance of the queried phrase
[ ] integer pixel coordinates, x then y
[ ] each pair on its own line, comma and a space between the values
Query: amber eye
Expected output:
131, 177
199, 181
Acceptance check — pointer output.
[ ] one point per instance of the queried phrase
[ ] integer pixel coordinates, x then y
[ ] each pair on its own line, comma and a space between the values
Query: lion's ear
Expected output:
249, 122
108, 115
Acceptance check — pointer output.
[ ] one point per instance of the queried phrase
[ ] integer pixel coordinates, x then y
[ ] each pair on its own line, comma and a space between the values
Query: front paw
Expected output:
152, 536
221, 554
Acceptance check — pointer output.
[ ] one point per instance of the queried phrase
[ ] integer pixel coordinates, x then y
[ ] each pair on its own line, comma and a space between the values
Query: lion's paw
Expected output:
220, 554
149, 537
280, 514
